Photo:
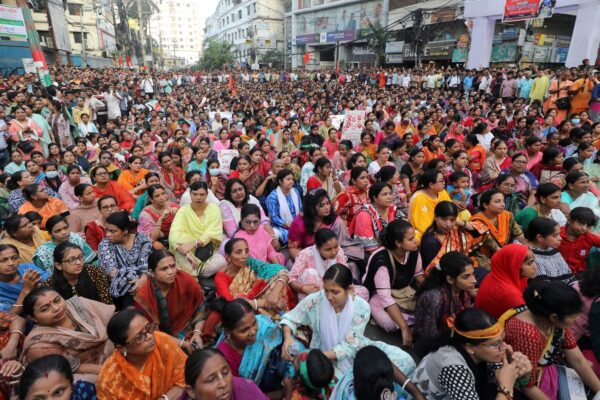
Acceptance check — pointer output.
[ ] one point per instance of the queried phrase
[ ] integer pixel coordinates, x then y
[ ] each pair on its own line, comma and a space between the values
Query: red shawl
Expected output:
502, 289
183, 300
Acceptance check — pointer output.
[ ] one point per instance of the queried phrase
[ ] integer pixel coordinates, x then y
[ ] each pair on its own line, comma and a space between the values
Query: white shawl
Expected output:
336, 327
284, 208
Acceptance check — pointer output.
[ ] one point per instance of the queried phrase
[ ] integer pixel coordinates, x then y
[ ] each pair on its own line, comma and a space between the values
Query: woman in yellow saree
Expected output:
196, 233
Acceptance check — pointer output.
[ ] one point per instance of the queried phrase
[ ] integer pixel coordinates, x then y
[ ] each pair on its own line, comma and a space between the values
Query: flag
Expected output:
230, 85
337, 68
306, 58
234, 92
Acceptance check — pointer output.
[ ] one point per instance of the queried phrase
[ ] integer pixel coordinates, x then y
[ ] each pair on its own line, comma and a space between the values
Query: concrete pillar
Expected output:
482, 37
586, 35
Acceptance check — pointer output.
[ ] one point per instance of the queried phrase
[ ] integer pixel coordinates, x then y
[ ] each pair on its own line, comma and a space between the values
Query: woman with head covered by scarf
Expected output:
502, 289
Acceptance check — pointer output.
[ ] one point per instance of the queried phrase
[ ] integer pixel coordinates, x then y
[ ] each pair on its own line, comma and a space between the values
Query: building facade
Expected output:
178, 30
253, 27
80, 32
568, 34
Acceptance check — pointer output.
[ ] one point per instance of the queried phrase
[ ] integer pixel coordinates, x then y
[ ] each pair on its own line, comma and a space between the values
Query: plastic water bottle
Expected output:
294, 349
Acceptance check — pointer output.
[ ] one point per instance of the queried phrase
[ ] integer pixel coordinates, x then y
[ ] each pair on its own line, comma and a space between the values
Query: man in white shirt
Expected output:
147, 85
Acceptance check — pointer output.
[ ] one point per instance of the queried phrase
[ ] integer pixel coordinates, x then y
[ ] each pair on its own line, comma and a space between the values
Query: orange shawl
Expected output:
457, 239
484, 226
118, 379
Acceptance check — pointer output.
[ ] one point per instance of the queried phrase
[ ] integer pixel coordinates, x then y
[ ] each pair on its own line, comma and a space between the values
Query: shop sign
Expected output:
563, 41
339, 36
539, 39
459, 55
521, 10
439, 50
305, 39
510, 33
560, 55
361, 50
394, 47
541, 54
504, 53
498, 39
394, 58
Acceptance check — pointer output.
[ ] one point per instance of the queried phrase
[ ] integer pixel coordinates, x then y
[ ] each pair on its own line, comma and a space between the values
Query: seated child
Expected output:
579, 245
459, 190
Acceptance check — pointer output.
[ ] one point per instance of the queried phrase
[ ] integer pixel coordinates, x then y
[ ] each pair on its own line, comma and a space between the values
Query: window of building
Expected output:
240, 14
248, 10
227, 19
254, 8
75, 9
77, 37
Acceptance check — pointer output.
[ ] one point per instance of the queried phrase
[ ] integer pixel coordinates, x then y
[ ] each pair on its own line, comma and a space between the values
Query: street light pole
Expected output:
83, 62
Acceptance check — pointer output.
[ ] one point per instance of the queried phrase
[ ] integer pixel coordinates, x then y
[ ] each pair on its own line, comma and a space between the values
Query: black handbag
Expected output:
205, 252
25, 146
564, 103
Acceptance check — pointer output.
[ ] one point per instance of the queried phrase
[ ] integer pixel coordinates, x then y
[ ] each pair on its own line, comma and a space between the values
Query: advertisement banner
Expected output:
354, 123
12, 23
355, 17
521, 10
56, 13
459, 55
504, 53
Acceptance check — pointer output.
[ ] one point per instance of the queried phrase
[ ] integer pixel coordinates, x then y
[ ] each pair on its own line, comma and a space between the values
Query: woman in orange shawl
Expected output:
145, 365
494, 227
444, 235
476, 153
173, 299
132, 178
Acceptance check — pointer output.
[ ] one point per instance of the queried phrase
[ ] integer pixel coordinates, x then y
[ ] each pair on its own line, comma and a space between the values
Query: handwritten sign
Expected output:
225, 157
336, 120
354, 123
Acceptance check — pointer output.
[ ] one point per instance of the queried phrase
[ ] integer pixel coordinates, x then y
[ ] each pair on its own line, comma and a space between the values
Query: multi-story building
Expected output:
76, 31
177, 29
253, 27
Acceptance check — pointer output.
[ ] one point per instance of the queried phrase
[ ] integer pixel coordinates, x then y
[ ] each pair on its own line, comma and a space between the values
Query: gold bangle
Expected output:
17, 331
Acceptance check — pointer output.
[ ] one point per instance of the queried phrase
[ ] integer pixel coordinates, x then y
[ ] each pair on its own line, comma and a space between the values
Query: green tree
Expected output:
273, 57
215, 54
377, 40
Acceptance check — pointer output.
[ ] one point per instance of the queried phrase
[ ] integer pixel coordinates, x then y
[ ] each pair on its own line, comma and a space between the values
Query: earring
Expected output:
125, 353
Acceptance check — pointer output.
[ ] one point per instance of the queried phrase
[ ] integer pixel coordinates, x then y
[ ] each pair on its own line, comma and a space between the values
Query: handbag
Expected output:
406, 297
563, 103
25, 146
205, 252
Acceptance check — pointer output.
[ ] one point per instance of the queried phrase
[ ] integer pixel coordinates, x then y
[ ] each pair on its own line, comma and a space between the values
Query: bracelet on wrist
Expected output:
505, 392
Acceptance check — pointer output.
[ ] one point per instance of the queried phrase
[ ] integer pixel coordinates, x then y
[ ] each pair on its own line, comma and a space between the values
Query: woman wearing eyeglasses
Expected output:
145, 364
104, 187
95, 230
58, 227
72, 276
455, 367
74, 328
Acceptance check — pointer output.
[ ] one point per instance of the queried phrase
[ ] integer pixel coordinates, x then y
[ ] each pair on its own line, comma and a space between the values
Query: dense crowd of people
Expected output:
190, 235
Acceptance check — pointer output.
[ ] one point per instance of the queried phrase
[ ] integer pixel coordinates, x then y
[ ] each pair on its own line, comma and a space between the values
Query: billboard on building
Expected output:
339, 24
56, 14
520, 10
12, 23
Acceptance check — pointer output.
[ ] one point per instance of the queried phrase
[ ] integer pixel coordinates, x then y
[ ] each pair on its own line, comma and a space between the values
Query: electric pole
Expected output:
142, 31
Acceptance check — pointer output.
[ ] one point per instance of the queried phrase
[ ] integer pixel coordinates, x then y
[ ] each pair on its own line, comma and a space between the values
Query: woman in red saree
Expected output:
173, 177
173, 299
355, 196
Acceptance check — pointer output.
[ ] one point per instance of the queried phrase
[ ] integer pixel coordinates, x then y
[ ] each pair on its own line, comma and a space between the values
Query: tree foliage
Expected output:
215, 54
273, 57
377, 40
